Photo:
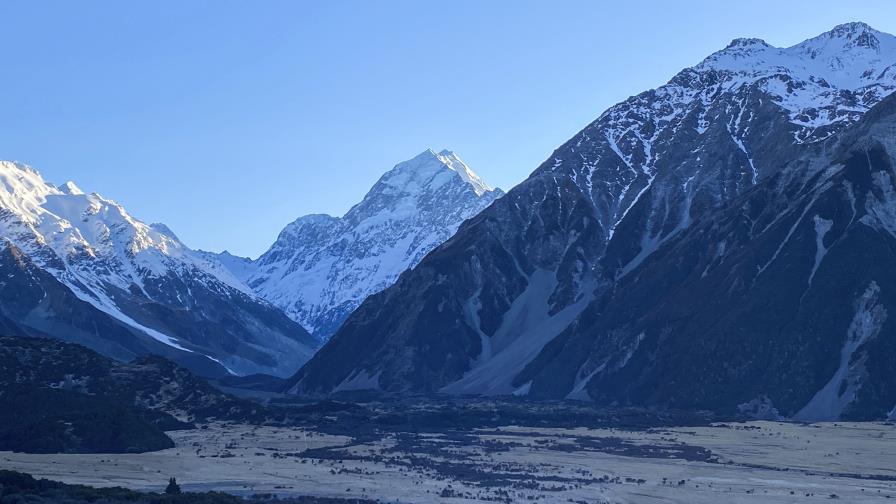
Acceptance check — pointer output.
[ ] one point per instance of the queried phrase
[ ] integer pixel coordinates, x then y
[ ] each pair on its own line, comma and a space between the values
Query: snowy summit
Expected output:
322, 267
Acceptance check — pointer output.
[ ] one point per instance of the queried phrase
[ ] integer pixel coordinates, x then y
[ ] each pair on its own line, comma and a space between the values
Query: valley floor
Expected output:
756, 462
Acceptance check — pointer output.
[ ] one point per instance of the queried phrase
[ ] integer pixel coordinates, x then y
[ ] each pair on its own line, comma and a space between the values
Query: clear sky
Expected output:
227, 120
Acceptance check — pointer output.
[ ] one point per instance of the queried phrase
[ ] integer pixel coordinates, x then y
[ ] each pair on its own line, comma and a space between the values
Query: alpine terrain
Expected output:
79, 268
321, 267
724, 241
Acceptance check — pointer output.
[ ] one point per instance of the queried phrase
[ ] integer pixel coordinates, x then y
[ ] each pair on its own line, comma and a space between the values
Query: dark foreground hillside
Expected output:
37, 420
60, 397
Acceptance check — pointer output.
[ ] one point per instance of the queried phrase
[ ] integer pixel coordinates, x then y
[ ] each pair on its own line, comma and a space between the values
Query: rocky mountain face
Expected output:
776, 306
80, 268
538, 294
321, 267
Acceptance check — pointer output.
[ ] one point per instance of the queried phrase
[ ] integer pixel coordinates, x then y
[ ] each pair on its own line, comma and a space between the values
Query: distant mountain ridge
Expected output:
321, 268
86, 263
514, 302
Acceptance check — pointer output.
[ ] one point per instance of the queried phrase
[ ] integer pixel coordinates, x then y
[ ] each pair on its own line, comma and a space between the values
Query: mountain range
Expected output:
722, 242
80, 268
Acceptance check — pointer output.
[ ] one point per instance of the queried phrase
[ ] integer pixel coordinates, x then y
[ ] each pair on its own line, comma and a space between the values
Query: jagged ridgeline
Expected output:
322, 267
723, 241
80, 268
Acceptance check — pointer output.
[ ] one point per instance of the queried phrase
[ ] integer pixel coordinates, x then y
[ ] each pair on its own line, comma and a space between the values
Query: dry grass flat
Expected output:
757, 462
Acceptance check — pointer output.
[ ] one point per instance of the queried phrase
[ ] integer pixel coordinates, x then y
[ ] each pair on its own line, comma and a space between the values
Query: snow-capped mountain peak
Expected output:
322, 267
136, 273
454, 162
746, 43
74, 224
431, 169
70, 188
22, 190
849, 56
856, 34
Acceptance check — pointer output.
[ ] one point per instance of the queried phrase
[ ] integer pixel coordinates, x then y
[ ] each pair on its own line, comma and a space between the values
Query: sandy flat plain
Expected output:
757, 462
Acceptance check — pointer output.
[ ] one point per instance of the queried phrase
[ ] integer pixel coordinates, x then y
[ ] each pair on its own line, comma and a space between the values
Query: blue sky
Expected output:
227, 120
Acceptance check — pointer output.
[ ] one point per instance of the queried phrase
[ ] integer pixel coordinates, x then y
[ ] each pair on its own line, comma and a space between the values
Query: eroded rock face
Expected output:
538, 294
783, 296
